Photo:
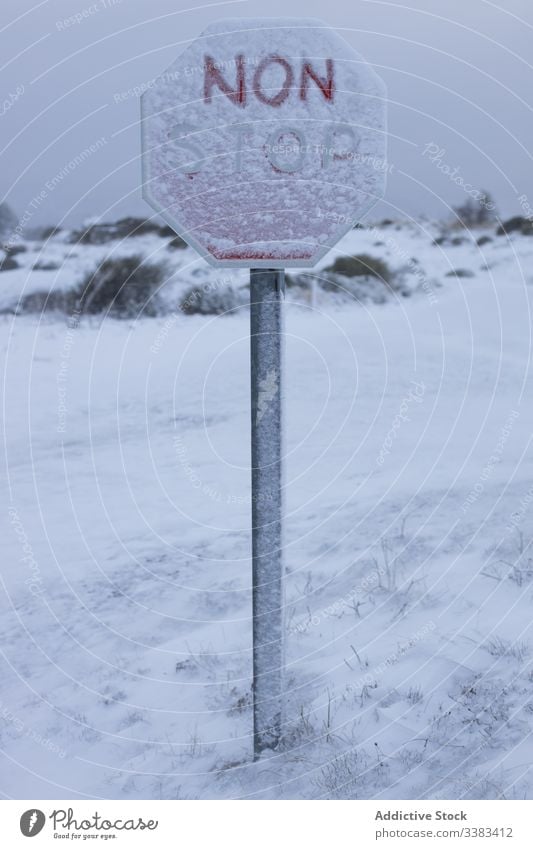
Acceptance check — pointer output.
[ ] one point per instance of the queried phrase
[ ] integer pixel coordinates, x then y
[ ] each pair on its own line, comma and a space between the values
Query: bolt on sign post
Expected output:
262, 145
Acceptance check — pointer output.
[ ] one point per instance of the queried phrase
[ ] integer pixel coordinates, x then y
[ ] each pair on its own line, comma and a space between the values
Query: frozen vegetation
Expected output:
126, 599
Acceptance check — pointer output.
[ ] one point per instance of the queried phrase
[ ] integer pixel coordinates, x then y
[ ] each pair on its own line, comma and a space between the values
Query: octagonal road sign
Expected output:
264, 142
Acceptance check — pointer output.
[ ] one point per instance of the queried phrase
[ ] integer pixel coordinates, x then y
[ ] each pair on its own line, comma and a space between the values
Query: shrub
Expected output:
212, 300
8, 263
358, 289
460, 272
343, 777
517, 224
299, 281
362, 265
177, 243
8, 221
97, 234
450, 240
46, 265
48, 232
122, 287
40, 302
476, 212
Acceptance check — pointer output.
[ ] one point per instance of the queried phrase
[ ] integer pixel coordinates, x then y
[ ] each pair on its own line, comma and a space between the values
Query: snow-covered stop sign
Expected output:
264, 142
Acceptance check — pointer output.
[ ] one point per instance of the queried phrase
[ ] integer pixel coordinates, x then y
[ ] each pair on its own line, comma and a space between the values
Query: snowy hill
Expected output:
404, 258
409, 518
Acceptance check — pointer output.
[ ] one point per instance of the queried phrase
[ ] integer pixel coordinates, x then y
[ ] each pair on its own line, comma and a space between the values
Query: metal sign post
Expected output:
266, 302
262, 144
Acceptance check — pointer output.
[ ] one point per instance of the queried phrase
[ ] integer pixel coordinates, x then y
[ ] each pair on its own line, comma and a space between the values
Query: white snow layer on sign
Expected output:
265, 141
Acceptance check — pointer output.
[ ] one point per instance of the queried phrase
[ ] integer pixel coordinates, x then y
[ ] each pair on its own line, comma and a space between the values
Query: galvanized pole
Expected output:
266, 300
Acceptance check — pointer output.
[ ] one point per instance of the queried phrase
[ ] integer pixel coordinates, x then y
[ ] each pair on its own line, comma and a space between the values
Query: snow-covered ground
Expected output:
126, 603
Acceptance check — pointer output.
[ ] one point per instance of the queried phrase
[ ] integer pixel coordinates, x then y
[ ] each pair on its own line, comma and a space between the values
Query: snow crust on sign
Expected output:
239, 177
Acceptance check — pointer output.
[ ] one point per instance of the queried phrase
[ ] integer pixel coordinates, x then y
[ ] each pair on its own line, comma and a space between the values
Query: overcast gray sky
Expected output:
458, 75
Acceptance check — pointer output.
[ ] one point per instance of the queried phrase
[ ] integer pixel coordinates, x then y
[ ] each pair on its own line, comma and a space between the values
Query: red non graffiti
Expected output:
213, 76
238, 92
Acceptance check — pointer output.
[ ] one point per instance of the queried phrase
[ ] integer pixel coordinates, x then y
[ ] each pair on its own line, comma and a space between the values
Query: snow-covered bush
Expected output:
362, 265
211, 299
517, 224
460, 273
98, 234
46, 265
362, 289
340, 778
124, 288
7, 263
361, 278
448, 239
8, 222
177, 243
477, 211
